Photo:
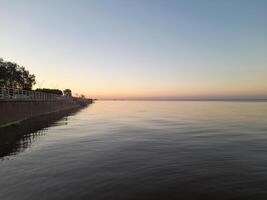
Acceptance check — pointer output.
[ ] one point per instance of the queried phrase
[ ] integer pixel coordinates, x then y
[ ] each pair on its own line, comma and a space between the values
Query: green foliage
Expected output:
15, 76
50, 91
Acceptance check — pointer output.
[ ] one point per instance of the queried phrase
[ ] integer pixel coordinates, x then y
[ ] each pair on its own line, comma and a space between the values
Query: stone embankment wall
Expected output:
15, 111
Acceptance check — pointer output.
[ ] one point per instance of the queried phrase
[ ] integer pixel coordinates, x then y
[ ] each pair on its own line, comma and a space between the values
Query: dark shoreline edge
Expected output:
16, 111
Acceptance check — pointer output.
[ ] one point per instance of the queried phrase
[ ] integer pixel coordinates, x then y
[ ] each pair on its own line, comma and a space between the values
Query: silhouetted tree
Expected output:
3, 72
50, 91
15, 76
67, 92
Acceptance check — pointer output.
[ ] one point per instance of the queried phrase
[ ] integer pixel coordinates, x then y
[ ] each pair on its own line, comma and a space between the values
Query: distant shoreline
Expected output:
224, 100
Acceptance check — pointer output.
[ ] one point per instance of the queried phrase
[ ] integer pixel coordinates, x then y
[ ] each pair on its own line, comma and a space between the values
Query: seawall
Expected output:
15, 111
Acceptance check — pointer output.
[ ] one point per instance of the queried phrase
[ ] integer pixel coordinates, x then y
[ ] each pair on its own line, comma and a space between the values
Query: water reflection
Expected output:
17, 138
142, 150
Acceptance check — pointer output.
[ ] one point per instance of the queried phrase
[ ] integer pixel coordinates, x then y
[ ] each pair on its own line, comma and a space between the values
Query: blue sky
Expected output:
140, 48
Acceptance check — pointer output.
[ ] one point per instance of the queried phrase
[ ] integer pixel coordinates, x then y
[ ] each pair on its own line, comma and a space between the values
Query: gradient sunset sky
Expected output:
140, 48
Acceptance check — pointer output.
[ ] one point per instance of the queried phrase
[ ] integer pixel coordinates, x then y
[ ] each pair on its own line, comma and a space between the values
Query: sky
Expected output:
140, 49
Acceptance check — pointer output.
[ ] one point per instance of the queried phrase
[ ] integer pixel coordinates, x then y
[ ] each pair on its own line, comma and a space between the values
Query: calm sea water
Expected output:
141, 150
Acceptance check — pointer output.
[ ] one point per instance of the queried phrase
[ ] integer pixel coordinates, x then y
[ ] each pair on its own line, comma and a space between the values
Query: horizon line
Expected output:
261, 99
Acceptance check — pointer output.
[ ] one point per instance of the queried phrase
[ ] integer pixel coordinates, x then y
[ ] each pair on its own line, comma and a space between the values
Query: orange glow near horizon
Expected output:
182, 95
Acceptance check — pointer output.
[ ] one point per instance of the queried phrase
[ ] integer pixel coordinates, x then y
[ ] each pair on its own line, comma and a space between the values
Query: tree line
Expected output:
15, 76
66, 92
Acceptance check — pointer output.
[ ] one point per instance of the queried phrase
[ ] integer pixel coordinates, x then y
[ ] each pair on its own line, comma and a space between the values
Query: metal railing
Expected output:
19, 94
